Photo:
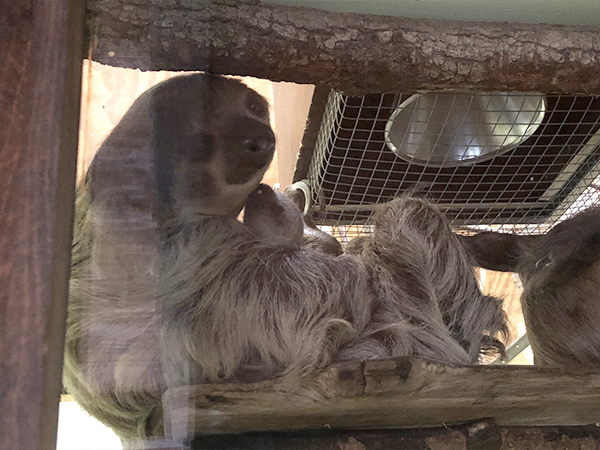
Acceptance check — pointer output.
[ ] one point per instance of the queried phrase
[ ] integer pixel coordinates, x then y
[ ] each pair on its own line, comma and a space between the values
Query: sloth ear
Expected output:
498, 251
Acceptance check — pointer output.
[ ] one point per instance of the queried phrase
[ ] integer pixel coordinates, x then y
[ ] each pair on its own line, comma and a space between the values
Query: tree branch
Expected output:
354, 53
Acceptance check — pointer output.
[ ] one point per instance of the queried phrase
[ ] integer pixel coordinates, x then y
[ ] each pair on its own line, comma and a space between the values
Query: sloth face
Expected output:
192, 145
212, 141
274, 218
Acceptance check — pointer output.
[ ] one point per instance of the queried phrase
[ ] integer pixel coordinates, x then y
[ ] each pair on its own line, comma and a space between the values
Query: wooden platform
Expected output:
391, 393
482, 435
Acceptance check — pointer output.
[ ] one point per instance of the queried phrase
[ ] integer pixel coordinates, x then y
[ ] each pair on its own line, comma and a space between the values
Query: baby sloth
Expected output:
273, 216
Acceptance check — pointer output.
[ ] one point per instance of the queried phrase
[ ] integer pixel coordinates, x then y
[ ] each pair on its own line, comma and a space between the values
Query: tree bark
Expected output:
353, 53
389, 393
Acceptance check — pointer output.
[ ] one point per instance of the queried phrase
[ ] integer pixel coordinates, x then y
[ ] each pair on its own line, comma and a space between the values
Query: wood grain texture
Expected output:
391, 393
354, 53
40, 50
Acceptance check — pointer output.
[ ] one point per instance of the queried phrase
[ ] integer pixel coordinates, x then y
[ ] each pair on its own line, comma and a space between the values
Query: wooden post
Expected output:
40, 72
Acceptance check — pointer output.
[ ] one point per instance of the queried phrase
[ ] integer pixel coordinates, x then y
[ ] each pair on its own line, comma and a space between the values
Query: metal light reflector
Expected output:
455, 129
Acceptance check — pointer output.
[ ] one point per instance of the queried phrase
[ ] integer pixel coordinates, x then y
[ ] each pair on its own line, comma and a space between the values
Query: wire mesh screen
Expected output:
509, 162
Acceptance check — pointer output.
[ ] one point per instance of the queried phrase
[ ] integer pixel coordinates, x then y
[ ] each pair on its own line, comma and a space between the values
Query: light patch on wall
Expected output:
79, 431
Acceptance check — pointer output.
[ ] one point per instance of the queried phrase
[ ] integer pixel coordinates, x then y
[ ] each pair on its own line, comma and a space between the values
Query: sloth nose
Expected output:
257, 144
260, 140
250, 148
263, 189
256, 138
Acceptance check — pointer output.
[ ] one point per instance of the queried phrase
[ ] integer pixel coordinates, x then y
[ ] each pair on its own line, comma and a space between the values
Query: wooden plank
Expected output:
391, 393
40, 49
352, 53
481, 435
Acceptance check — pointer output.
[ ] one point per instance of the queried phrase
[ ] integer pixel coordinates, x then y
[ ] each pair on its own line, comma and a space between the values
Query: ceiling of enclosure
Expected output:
572, 12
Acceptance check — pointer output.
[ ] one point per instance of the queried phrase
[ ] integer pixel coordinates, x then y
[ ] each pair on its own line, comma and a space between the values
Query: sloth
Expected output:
160, 261
560, 271
424, 273
192, 146
169, 289
272, 217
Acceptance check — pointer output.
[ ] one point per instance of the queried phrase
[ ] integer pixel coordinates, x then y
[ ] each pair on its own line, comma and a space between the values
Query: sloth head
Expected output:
202, 143
213, 143
274, 218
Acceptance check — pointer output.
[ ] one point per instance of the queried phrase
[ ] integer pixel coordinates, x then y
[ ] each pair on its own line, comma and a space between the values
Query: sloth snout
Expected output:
261, 190
256, 137
260, 145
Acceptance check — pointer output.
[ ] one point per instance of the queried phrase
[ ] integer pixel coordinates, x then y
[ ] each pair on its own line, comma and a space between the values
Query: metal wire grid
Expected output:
537, 182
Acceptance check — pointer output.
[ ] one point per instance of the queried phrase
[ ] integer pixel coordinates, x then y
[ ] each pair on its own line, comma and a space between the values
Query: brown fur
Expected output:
561, 276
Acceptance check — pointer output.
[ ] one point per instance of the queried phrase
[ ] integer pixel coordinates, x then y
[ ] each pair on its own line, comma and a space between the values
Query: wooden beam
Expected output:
353, 53
391, 393
40, 72
481, 435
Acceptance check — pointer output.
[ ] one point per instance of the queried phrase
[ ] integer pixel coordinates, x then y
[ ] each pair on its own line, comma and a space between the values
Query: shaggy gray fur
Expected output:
426, 280
168, 288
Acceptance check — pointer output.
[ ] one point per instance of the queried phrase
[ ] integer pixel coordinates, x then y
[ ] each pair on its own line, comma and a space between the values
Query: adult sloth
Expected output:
168, 288
192, 145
